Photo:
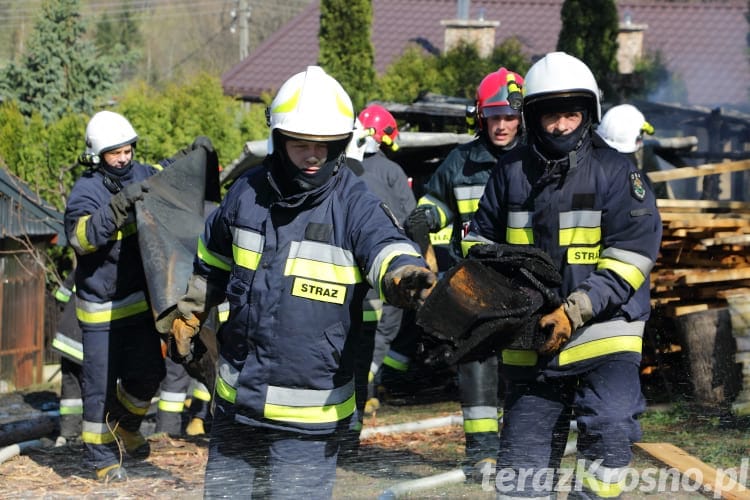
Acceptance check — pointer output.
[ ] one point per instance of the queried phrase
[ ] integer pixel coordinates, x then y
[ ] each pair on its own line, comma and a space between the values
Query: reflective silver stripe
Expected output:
248, 240
519, 220
477, 412
173, 397
598, 331
94, 312
383, 259
322, 252
580, 218
643, 263
65, 344
228, 373
467, 198
446, 214
131, 403
95, 427
71, 402
286, 396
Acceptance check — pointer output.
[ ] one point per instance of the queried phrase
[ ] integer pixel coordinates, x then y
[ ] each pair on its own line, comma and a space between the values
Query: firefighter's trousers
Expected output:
478, 388
122, 369
605, 401
258, 462
172, 394
71, 402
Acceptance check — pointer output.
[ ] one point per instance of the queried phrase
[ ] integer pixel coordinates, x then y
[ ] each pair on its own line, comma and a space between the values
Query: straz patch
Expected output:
318, 290
583, 255
636, 186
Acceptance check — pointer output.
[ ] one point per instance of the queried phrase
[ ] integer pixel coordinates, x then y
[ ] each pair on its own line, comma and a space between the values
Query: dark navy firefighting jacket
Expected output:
295, 270
110, 284
598, 221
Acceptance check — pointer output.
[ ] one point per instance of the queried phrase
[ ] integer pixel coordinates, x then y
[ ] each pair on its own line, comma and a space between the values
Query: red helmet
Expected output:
382, 123
500, 93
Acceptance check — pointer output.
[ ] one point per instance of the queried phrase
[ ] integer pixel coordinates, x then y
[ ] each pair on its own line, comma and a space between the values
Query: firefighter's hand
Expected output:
560, 330
407, 287
566, 319
184, 328
421, 221
123, 201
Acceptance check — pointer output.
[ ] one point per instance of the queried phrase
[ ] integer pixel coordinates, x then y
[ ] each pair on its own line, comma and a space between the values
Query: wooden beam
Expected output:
701, 170
704, 204
711, 479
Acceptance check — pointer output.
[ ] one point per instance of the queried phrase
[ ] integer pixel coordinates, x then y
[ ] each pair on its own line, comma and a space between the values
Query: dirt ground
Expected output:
176, 466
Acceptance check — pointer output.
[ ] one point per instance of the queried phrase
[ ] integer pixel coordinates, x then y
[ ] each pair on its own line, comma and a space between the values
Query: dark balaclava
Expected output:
113, 177
295, 180
555, 147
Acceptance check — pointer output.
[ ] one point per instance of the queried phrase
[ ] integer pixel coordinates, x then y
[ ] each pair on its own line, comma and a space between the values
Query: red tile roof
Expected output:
702, 42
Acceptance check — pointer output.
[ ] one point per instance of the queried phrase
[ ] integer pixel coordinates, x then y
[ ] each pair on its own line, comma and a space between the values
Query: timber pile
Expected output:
704, 247
703, 264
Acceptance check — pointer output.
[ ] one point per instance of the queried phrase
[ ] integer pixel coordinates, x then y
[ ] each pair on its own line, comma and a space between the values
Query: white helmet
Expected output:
107, 131
560, 75
312, 106
622, 128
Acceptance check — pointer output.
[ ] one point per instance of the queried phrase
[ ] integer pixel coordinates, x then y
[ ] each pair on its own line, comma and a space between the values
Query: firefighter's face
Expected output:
562, 123
307, 155
502, 129
120, 157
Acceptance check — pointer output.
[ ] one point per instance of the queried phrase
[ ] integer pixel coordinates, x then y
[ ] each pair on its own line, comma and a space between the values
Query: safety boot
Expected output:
482, 469
195, 427
134, 442
112, 474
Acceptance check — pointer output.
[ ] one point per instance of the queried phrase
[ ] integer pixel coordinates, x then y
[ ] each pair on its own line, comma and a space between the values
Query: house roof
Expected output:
702, 42
23, 213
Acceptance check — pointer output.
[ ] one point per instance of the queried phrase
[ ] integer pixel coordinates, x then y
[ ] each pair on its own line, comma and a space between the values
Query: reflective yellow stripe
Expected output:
481, 425
93, 438
201, 393
628, 272
519, 357
396, 364
468, 206
466, 245
225, 391
131, 403
108, 315
289, 104
580, 236
310, 414
125, 231
171, 406
371, 316
442, 237
519, 236
70, 350
320, 261
445, 213
210, 258
597, 486
79, 240
600, 347
467, 198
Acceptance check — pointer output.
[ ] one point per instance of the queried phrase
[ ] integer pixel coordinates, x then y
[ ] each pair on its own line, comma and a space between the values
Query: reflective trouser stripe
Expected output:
601, 339
95, 313
605, 482
397, 361
480, 419
68, 346
96, 433
173, 402
309, 405
131, 403
71, 406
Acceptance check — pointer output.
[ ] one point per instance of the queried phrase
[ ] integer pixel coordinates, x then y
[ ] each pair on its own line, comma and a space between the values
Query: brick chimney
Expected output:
630, 44
478, 32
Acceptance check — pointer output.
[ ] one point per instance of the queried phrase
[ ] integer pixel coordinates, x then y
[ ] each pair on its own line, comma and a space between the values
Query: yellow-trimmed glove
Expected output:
566, 319
407, 287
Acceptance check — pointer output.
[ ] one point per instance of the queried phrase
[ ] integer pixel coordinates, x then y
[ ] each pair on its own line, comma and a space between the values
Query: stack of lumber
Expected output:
704, 250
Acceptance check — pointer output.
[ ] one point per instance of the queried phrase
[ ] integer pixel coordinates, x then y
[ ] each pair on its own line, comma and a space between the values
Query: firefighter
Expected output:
293, 247
451, 197
67, 342
622, 127
376, 128
570, 195
122, 362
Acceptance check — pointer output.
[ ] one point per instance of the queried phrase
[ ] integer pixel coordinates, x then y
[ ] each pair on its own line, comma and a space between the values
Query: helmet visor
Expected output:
315, 138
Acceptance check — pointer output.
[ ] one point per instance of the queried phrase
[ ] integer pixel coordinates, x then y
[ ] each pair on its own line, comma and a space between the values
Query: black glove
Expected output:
408, 286
423, 219
123, 201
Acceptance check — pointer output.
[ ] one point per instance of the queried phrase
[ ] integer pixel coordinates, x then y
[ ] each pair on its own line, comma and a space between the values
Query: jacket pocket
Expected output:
331, 345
